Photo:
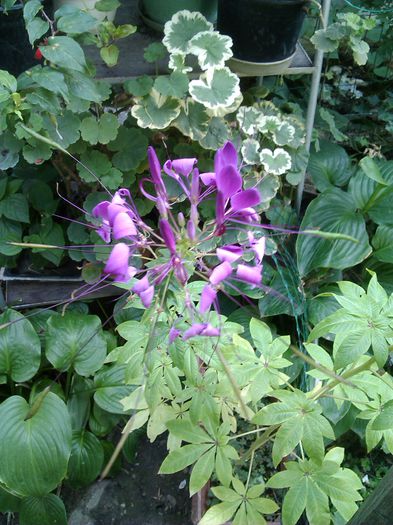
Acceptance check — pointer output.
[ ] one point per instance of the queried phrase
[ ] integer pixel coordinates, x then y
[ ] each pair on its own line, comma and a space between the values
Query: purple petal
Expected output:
195, 329
208, 297
168, 235
210, 331
147, 296
220, 209
194, 194
248, 215
229, 253
208, 178
249, 274
191, 230
180, 273
184, 166
117, 263
104, 231
123, 226
115, 209
220, 273
118, 198
101, 210
225, 156
258, 246
245, 199
142, 285
173, 334
229, 181
181, 221
155, 167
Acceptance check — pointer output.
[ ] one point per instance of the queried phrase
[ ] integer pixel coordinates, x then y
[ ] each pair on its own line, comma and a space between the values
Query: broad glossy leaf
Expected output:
45, 510
20, 347
71, 19
330, 166
110, 388
333, 211
15, 207
383, 244
86, 460
36, 28
218, 88
64, 52
180, 30
75, 342
35, 451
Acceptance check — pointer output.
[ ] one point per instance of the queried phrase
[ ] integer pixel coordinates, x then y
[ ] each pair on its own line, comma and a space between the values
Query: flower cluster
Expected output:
177, 247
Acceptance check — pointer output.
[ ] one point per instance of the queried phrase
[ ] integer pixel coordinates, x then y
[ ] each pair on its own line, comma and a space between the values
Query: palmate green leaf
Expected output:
126, 158
295, 502
276, 162
183, 457
64, 52
284, 134
100, 131
217, 134
384, 421
86, 460
350, 346
35, 451
20, 347
333, 211
220, 514
202, 471
193, 121
180, 30
140, 86
211, 48
44, 510
75, 342
218, 88
175, 85
155, 111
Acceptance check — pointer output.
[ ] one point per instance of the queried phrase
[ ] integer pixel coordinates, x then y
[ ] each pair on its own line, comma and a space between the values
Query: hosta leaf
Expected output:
75, 342
211, 48
218, 88
20, 347
180, 30
330, 166
193, 121
383, 244
175, 85
156, 111
34, 451
250, 151
45, 510
110, 388
333, 211
276, 162
64, 52
87, 457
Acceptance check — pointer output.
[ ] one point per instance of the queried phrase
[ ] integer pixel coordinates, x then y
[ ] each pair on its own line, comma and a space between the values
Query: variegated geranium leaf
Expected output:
221, 111
268, 124
217, 88
177, 62
268, 109
248, 118
173, 85
217, 134
284, 134
180, 30
193, 121
250, 151
276, 162
155, 111
211, 48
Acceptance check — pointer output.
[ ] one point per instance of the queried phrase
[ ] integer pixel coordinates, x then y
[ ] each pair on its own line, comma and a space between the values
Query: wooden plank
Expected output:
378, 507
131, 62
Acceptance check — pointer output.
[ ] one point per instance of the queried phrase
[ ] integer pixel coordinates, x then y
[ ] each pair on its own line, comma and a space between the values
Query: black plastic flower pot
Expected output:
16, 53
263, 31
156, 12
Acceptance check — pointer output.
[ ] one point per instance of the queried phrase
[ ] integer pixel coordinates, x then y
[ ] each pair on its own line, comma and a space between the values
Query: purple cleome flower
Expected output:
184, 238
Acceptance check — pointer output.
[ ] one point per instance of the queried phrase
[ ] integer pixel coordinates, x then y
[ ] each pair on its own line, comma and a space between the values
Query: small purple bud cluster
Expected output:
184, 237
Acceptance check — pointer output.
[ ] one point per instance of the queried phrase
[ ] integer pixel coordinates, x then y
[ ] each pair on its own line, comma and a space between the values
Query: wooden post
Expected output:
378, 507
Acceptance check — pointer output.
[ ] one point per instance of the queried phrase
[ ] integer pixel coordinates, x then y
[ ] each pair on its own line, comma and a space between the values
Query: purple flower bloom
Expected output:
179, 166
208, 179
249, 274
173, 334
220, 273
229, 181
123, 226
208, 297
229, 253
117, 264
191, 230
168, 236
145, 291
204, 329
258, 246
245, 199
225, 156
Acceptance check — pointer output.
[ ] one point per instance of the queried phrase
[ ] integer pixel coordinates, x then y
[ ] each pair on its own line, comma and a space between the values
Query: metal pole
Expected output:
313, 100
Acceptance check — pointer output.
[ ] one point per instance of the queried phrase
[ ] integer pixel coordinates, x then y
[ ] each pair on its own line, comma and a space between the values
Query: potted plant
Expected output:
263, 31
156, 12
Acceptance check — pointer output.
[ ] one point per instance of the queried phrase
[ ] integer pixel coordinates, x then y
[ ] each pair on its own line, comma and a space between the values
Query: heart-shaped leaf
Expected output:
44, 510
20, 348
180, 30
75, 342
248, 119
155, 111
87, 457
211, 48
277, 161
34, 451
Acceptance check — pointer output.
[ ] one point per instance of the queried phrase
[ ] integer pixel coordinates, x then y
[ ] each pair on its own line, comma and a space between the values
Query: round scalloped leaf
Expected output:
87, 457
250, 151
211, 48
268, 123
277, 161
44, 510
182, 27
20, 347
177, 62
218, 88
284, 134
175, 85
217, 134
127, 158
248, 119
35, 451
139, 86
156, 111
193, 120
